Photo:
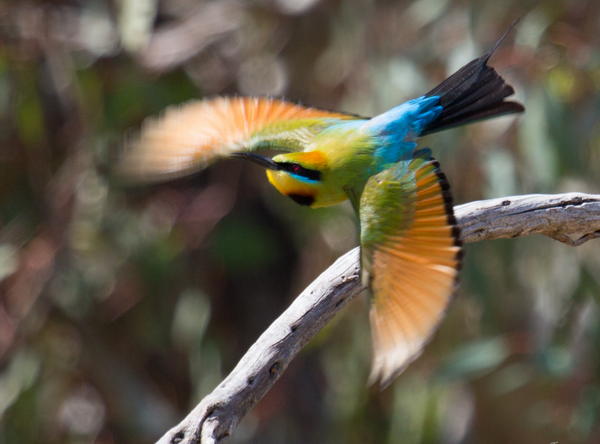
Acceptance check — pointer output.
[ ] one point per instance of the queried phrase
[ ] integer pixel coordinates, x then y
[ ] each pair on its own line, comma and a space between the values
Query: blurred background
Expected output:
121, 308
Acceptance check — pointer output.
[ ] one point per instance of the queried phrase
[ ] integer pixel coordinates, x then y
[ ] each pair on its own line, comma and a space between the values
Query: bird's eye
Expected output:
299, 170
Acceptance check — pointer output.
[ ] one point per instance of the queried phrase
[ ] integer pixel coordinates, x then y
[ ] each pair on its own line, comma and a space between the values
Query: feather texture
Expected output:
413, 267
187, 138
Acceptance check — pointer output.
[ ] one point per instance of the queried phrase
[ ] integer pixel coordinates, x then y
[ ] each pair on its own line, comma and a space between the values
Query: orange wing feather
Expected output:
188, 138
413, 276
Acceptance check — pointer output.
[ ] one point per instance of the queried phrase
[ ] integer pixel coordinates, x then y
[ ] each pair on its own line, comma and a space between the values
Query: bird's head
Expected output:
300, 176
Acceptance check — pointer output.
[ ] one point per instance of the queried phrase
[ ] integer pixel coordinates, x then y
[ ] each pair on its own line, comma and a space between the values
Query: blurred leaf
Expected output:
8, 260
532, 27
192, 314
475, 359
558, 361
22, 371
135, 22
511, 377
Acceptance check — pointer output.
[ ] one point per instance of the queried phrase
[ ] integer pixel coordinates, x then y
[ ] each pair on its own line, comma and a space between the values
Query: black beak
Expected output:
263, 161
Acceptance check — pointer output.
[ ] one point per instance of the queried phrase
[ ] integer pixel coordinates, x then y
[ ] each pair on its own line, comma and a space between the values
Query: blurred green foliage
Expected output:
121, 308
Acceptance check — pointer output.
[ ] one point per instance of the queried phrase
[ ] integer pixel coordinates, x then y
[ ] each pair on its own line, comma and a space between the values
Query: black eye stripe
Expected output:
299, 170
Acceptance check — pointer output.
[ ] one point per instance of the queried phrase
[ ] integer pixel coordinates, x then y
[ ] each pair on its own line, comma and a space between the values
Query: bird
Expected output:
410, 248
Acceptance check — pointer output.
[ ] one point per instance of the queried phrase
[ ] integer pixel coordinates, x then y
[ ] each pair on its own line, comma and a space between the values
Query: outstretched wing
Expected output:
410, 257
187, 138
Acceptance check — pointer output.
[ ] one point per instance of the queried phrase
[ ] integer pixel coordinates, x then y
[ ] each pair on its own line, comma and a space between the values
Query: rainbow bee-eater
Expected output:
410, 247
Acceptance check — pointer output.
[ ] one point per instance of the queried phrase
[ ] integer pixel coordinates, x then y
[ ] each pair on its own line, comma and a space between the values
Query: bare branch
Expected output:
554, 216
217, 415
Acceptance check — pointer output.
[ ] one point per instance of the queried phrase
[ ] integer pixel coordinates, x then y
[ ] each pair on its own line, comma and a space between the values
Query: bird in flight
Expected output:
410, 247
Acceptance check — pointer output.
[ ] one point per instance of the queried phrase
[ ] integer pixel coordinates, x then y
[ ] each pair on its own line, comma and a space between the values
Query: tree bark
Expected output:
218, 414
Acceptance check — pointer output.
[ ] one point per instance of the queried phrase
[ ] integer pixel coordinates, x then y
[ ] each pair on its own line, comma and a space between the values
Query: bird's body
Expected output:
410, 248
347, 153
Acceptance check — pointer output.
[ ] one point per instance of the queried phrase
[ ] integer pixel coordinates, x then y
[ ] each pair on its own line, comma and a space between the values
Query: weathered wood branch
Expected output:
217, 415
553, 216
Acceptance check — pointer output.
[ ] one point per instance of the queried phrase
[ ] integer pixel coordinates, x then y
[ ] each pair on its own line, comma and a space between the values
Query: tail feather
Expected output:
495, 110
475, 92
490, 88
